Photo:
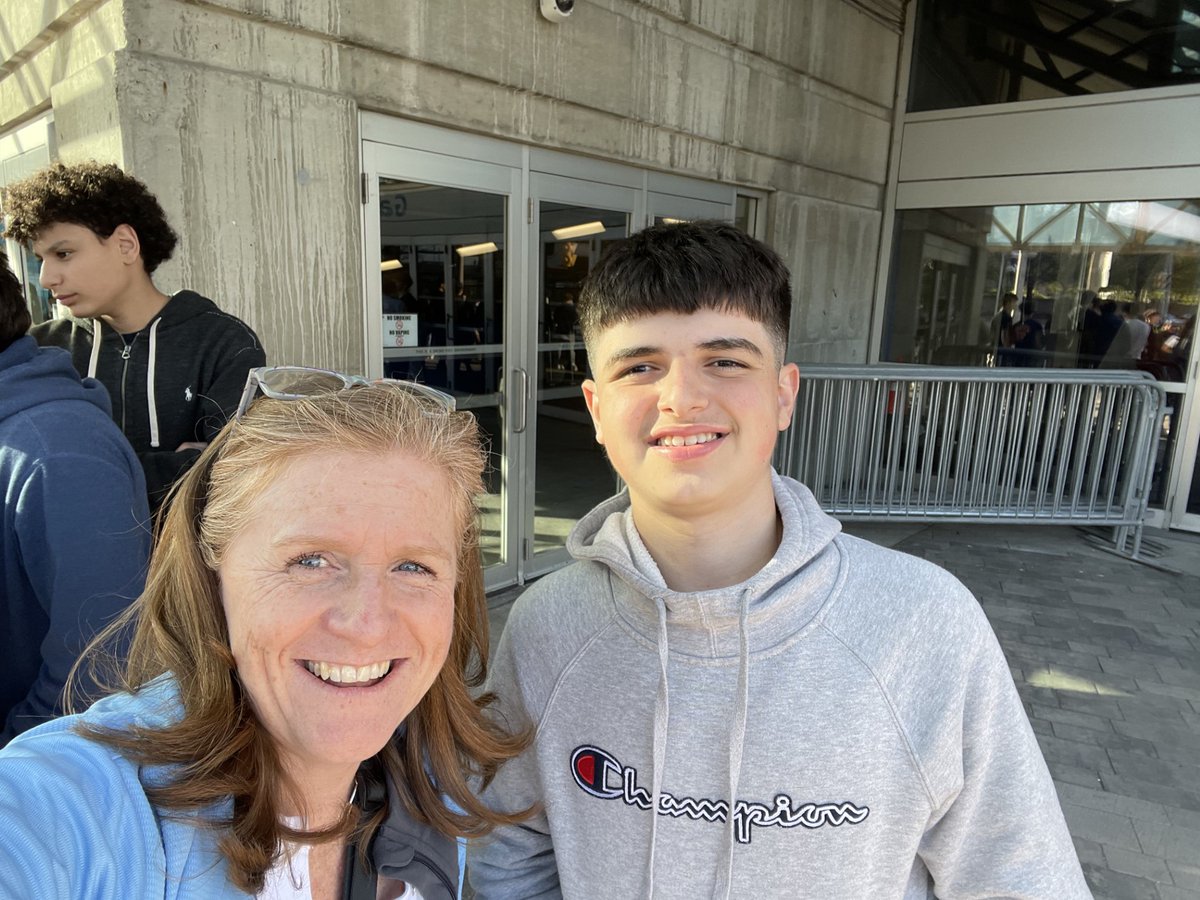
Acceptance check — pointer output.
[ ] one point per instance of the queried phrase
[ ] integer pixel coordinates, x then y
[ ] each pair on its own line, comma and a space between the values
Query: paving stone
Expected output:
1117, 804
1185, 875
1095, 649
1112, 741
1166, 892
1059, 659
1161, 701
1121, 601
1089, 852
1171, 842
1168, 795
1109, 885
1075, 753
1063, 773
1071, 717
1104, 827
1139, 766
1092, 704
1154, 728
1186, 818
1137, 668
1181, 677
1130, 863
1190, 694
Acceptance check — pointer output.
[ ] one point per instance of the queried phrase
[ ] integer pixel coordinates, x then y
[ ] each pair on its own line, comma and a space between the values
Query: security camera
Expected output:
556, 10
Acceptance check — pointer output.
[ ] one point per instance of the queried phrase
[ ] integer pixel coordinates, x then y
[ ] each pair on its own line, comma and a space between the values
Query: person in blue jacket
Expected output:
75, 536
298, 681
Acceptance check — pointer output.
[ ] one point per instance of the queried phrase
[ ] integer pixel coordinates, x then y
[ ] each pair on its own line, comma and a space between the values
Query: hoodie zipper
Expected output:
125, 351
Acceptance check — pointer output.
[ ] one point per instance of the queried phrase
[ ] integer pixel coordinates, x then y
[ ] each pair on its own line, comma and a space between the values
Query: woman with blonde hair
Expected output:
299, 680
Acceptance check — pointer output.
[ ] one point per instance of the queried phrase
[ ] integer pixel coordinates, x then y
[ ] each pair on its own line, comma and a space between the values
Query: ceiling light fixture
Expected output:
578, 231
476, 249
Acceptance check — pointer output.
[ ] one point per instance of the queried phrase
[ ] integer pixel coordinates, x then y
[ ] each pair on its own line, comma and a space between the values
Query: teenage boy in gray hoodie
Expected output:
730, 698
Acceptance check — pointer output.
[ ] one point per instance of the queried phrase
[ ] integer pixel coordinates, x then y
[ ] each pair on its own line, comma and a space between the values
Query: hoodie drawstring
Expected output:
662, 710
151, 406
737, 740
95, 357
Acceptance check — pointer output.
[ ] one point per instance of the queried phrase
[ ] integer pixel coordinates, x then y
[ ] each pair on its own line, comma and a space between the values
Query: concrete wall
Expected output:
241, 115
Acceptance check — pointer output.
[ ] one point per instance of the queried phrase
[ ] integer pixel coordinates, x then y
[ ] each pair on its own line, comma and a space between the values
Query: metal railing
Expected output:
1017, 445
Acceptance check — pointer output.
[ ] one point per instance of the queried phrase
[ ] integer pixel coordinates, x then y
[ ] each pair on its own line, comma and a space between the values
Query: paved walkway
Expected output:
1106, 653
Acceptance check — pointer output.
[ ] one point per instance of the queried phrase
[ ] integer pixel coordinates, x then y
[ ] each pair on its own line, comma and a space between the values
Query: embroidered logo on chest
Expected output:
599, 774
187, 393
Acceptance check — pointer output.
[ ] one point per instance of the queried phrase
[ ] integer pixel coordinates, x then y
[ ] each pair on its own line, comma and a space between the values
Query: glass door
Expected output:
475, 251
444, 279
573, 224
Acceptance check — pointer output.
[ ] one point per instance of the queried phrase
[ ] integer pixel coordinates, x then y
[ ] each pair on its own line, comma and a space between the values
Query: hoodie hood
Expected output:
793, 585
31, 375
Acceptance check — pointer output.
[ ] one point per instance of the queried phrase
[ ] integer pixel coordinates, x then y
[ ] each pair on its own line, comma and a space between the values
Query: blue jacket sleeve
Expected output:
83, 532
76, 823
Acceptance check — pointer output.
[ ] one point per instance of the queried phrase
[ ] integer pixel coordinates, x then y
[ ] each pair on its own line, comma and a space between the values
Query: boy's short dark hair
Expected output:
98, 196
684, 268
14, 312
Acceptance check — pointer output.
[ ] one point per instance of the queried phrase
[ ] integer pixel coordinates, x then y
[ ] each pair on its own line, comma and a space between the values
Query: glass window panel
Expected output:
1097, 229
1057, 224
1097, 285
1001, 51
1006, 224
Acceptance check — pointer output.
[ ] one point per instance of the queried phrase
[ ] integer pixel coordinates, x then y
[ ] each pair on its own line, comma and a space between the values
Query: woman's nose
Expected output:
362, 611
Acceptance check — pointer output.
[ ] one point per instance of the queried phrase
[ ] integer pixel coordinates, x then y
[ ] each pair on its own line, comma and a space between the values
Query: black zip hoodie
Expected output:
179, 379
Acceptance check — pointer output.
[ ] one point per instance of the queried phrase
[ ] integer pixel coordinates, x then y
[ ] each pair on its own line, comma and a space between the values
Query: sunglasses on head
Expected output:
298, 382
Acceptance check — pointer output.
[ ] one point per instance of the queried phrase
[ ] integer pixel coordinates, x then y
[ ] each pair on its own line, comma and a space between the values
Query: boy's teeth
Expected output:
348, 674
690, 440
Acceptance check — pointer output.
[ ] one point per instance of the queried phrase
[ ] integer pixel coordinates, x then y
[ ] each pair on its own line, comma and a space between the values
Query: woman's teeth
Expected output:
348, 674
690, 440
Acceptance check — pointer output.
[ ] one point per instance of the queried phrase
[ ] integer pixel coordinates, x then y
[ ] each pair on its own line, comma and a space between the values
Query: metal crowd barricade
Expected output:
1018, 445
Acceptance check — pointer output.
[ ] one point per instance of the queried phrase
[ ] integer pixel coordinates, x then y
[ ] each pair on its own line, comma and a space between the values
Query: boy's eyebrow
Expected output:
631, 353
716, 344
732, 343
51, 248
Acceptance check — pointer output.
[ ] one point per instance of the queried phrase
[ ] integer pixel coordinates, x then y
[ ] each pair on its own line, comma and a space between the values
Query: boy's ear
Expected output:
789, 384
593, 404
128, 244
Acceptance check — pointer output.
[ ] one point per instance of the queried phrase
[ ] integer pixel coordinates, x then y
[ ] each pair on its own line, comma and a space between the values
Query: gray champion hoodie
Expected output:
851, 700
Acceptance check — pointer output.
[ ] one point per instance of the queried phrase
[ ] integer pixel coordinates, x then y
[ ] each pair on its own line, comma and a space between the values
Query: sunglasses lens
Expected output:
287, 382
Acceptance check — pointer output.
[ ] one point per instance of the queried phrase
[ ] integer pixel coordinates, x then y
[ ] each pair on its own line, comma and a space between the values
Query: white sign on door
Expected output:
400, 330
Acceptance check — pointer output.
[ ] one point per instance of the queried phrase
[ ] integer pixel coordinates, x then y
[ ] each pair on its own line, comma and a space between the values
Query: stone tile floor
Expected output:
1105, 652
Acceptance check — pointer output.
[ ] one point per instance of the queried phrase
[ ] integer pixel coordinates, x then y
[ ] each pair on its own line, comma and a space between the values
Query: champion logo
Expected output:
599, 774
187, 393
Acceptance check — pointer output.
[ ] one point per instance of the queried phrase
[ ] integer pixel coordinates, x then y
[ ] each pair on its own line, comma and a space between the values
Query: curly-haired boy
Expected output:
175, 364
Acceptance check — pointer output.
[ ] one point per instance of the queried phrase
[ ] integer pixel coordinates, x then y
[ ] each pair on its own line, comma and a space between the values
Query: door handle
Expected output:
522, 397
